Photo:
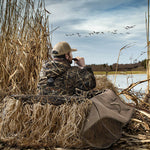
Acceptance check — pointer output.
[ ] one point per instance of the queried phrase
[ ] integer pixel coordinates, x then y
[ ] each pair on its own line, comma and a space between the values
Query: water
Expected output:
123, 81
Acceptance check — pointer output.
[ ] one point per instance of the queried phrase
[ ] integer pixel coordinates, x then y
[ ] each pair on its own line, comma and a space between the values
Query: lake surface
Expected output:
123, 81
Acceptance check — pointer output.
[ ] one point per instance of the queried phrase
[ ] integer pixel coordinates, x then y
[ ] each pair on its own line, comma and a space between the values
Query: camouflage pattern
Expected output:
60, 78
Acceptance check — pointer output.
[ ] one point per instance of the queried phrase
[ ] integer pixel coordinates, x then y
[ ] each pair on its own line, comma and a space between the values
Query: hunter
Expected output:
60, 78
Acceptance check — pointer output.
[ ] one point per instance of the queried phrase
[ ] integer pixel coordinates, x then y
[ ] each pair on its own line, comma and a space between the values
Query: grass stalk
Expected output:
24, 44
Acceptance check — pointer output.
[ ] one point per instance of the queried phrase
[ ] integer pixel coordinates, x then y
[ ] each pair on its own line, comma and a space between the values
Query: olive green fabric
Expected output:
60, 78
106, 118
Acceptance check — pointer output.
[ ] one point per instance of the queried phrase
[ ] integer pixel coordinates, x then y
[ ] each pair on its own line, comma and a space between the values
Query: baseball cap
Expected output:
62, 48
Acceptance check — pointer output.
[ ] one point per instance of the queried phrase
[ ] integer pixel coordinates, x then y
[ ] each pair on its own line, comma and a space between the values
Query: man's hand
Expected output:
80, 61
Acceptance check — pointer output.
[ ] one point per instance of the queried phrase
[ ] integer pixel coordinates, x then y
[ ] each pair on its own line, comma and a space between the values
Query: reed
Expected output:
124, 47
24, 43
36, 126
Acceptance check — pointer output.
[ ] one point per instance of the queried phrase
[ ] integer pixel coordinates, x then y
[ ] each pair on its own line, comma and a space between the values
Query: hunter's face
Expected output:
70, 58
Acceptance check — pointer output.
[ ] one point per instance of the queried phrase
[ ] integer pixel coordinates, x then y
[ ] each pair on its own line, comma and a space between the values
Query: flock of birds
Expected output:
96, 33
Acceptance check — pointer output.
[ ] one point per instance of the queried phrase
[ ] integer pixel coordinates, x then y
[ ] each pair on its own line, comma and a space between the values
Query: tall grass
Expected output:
24, 43
124, 47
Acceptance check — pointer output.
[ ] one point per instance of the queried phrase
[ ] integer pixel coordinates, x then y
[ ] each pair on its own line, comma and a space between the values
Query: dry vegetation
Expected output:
37, 125
24, 43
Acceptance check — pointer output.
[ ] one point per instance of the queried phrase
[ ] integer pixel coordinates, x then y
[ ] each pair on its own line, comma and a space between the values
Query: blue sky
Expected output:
100, 28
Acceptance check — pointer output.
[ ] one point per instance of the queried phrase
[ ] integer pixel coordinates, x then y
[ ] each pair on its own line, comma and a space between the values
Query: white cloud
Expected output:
104, 21
85, 16
116, 20
64, 10
70, 9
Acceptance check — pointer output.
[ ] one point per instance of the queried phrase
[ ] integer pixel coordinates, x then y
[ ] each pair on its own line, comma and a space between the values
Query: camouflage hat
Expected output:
62, 48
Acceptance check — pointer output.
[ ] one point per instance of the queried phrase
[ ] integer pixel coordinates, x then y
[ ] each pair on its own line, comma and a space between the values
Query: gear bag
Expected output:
105, 120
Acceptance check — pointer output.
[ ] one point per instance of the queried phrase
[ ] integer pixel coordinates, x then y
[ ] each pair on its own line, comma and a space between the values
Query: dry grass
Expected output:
39, 125
124, 47
24, 43
36, 125
102, 83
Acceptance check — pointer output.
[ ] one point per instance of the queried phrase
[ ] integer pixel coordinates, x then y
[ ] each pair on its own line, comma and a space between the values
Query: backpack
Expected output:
107, 116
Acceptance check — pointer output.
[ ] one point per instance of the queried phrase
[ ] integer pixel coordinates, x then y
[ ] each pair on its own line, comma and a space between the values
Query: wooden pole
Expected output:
148, 53
117, 67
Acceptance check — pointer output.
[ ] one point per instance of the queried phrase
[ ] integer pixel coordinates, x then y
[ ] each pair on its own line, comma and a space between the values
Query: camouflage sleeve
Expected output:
82, 79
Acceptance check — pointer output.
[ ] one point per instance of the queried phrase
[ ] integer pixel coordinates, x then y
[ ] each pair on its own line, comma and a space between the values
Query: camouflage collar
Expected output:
62, 61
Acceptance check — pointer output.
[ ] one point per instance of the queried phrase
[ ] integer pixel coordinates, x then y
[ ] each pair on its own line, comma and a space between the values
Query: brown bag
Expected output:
106, 118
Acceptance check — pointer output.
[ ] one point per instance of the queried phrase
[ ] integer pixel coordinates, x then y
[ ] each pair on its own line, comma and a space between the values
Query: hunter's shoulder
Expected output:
75, 68
78, 71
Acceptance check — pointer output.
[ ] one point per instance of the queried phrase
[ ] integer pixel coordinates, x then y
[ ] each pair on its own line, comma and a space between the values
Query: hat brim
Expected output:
73, 49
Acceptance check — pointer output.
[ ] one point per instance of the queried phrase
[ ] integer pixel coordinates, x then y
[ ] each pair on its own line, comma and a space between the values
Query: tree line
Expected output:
139, 66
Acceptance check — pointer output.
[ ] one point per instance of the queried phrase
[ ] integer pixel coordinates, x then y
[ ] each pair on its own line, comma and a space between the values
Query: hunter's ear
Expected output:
67, 56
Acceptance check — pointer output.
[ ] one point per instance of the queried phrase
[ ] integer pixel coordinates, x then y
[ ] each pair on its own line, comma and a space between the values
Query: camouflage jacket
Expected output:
63, 79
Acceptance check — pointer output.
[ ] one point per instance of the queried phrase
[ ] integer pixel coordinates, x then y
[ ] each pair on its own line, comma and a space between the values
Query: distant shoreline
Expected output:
119, 72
